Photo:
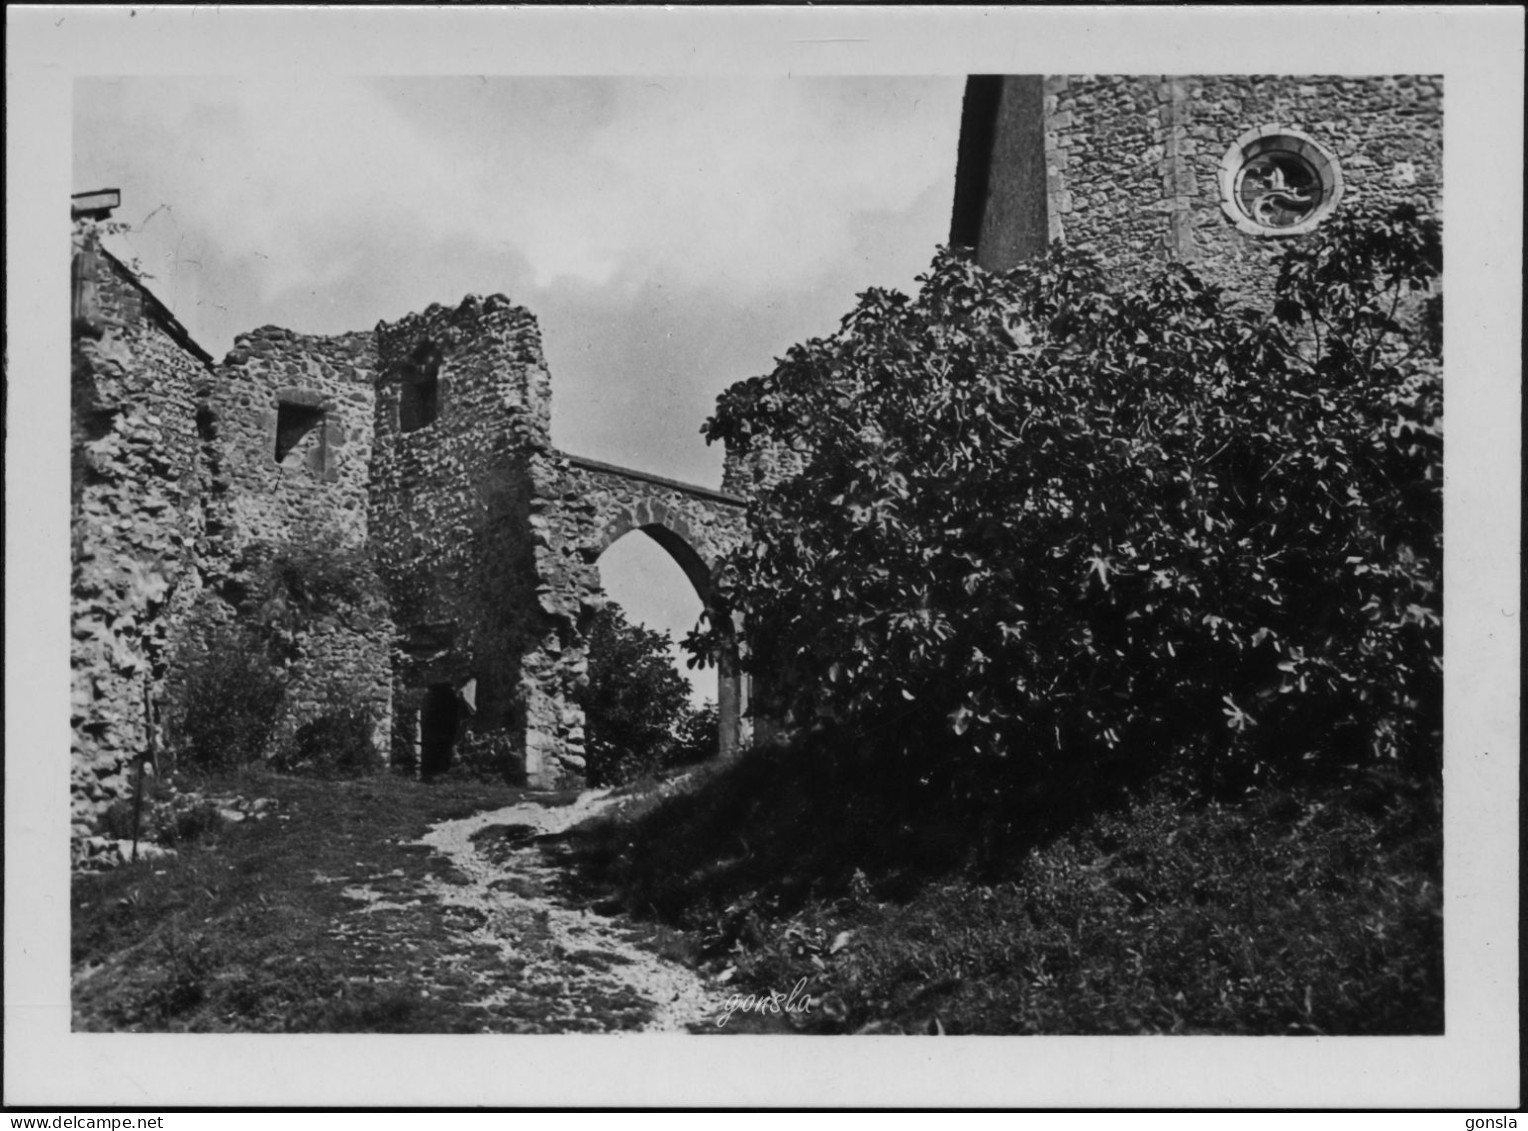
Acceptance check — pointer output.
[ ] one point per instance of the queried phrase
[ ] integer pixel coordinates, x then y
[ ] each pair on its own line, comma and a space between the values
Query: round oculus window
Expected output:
1278, 182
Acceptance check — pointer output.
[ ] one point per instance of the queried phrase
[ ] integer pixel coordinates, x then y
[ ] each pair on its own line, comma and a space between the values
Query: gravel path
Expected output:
592, 957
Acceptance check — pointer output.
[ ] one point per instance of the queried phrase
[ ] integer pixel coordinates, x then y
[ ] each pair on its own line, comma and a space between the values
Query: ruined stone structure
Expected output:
427, 440
138, 501
289, 418
426, 443
488, 538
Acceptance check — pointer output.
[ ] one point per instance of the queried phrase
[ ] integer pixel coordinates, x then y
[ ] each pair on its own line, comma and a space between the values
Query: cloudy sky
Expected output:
672, 235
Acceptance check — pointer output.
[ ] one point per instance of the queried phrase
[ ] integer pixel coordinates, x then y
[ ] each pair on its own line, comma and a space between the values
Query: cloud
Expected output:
743, 184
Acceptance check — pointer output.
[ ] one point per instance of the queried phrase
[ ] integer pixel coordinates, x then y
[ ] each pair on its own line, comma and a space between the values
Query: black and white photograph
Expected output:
630, 557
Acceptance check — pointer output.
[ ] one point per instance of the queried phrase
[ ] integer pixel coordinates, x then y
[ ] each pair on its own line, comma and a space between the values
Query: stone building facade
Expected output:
1214, 171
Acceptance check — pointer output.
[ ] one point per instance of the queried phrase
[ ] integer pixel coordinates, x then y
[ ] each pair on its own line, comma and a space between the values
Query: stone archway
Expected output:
582, 507
670, 530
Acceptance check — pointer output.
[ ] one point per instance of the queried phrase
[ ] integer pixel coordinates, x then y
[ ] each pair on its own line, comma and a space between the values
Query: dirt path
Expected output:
593, 960
376, 906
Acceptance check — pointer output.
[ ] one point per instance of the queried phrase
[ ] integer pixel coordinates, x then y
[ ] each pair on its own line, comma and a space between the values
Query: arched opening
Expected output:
438, 717
637, 571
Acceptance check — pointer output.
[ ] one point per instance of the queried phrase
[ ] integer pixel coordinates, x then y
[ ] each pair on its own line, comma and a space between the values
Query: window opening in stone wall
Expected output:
1275, 181
293, 423
419, 397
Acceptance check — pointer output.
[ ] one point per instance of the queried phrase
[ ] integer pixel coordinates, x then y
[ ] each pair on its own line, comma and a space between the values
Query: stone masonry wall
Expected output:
423, 446
759, 468
1133, 162
293, 415
322, 480
450, 519
138, 481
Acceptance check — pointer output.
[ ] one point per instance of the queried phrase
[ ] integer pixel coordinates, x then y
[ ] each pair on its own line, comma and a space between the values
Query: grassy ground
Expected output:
1291, 912
323, 916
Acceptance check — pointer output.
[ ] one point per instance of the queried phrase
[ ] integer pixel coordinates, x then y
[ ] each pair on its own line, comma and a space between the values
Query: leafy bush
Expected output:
698, 735
314, 576
116, 820
225, 701
165, 816
1044, 524
339, 742
634, 702
232, 681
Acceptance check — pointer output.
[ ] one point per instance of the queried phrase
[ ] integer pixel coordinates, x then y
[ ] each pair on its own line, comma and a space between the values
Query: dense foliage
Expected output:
636, 707
1045, 523
229, 701
340, 741
226, 703
312, 577
698, 735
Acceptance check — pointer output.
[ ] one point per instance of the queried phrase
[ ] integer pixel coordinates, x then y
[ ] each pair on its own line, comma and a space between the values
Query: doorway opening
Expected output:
438, 719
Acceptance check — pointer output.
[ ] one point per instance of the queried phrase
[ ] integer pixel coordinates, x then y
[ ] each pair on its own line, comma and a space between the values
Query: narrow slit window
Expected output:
419, 398
293, 423
420, 404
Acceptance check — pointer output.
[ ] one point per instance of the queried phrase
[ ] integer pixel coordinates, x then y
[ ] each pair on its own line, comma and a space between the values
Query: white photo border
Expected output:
1475, 1064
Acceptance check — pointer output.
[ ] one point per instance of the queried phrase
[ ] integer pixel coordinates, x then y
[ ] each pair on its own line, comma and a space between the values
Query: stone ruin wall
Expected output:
138, 479
484, 538
314, 397
1133, 162
173, 481
451, 502
760, 467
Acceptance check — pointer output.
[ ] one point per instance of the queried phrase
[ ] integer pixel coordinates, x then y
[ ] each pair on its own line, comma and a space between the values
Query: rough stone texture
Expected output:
451, 514
426, 443
174, 479
322, 481
487, 537
316, 492
759, 467
138, 484
1134, 161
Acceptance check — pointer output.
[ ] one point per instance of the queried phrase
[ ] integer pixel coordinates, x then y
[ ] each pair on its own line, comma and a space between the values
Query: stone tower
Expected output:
463, 411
